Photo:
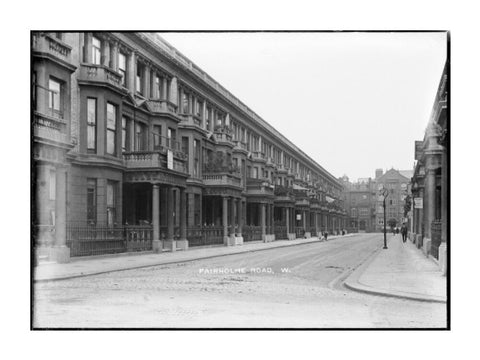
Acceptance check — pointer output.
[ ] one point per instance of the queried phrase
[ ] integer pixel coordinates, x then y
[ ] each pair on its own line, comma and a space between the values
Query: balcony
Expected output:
222, 179
138, 160
240, 145
283, 193
163, 107
191, 120
260, 187
223, 134
281, 168
101, 75
50, 47
50, 128
258, 156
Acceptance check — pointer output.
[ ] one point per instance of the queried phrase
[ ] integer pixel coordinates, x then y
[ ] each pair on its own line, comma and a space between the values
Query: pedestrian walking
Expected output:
326, 235
404, 232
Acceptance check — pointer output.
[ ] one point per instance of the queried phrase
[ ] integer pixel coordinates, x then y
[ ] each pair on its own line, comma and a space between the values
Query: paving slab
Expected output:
400, 271
79, 267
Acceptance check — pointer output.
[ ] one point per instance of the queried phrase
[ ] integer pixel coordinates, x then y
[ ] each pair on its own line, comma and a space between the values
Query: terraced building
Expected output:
135, 148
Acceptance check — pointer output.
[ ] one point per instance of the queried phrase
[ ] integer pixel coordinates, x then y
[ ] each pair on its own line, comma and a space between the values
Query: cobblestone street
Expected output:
298, 286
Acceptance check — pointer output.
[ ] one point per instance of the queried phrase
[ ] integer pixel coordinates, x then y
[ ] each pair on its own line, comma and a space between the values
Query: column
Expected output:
272, 222
180, 101
106, 53
304, 220
61, 252
232, 216
146, 81
239, 217
430, 205
262, 220
173, 91
183, 214
164, 88
114, 59
155, 212
287, 220
156, 243
225, 216
132, 67
170, 225
268, 227
316, 222
87, 48
444, 195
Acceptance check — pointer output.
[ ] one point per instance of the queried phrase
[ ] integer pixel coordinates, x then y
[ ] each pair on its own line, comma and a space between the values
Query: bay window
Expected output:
111, 128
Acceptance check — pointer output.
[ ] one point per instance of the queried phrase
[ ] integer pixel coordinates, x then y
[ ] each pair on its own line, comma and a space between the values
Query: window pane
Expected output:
54, 94
122, 62
91, 111
111, 116
111, 142
91, 137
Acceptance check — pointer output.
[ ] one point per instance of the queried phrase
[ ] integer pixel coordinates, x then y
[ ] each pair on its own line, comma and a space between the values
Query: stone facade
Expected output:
135, 147
430, 182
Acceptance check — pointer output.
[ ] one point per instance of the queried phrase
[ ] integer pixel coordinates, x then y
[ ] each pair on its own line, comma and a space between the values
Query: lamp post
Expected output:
384, 193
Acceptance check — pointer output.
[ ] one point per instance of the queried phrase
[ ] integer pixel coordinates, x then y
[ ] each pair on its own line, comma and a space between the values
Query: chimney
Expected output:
378, 173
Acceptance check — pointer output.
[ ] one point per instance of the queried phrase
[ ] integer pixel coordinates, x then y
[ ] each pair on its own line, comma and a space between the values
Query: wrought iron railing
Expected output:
252, 233
204, 236
280, 232
436, 231
85, 240
299, 232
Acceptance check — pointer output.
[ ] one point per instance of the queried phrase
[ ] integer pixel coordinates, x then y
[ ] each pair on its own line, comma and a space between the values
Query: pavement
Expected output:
80, 267
401, 271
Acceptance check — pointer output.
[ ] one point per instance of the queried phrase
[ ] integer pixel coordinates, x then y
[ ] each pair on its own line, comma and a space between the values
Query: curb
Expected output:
74, 276
352, 283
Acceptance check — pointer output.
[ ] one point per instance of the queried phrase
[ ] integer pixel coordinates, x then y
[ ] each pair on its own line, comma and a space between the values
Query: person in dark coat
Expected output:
404, 232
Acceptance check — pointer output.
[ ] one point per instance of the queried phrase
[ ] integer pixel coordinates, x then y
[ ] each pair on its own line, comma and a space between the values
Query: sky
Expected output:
354, 102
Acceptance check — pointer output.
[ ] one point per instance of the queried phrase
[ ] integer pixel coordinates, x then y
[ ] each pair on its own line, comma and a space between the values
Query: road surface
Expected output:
298, 286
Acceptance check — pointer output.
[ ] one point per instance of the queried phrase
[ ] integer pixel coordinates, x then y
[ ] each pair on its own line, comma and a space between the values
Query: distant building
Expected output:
430, 180
360, 200
364, 205
398, 184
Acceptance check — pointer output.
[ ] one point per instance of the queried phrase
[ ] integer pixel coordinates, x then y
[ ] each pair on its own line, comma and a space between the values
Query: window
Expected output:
185, 148
111, 128
157, 133
52, 185
54, 95
185, 104
91, 123
196, 158
208, 119
91, 200
198, 108
139, 78
125, 135
167, 95
158, 87
255, 172
111, 195
96, 51
140, 137
122, 67
171, 138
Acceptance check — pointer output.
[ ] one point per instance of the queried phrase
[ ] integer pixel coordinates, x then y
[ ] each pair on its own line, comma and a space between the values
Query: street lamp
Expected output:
384, 193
